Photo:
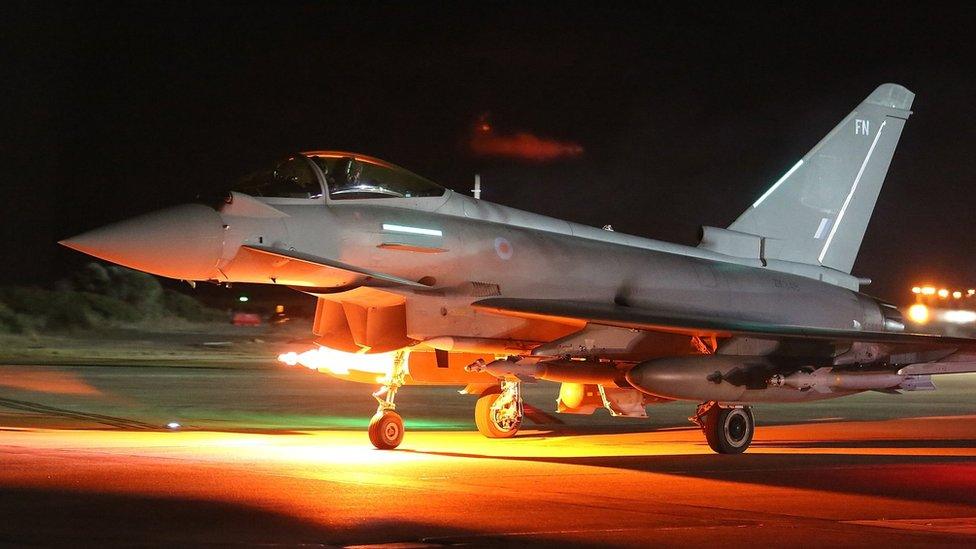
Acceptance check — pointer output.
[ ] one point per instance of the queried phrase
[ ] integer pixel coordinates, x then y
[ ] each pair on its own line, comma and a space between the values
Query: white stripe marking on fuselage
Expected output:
411, 230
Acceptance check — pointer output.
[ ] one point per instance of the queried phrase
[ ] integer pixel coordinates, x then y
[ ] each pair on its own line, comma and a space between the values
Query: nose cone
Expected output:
183, 242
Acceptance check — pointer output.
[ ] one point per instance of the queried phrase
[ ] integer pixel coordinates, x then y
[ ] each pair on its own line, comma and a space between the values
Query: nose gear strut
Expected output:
386, 427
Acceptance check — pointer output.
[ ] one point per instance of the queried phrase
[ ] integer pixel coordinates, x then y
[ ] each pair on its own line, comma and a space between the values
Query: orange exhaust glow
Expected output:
340, 363
42, 381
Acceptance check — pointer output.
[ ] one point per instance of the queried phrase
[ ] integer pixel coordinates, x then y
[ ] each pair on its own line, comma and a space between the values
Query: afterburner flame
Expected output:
340, 362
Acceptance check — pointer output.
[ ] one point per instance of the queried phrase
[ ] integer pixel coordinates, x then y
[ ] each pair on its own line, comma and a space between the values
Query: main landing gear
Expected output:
498, 413
386, 427
728, 429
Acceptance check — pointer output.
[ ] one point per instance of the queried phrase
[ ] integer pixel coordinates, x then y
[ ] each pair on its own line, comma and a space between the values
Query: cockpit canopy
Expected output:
345, 176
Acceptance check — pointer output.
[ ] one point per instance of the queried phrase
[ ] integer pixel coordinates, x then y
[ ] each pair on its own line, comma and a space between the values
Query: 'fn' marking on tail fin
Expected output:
850, 195
777, 184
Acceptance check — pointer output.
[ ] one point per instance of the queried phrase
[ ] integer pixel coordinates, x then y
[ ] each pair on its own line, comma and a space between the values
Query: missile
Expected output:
827, 380
749, 379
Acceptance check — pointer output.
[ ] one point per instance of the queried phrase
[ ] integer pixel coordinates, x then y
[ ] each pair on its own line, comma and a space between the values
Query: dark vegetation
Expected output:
97, 295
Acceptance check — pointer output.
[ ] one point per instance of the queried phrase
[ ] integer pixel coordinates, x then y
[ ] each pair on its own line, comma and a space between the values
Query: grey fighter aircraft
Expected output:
417, 284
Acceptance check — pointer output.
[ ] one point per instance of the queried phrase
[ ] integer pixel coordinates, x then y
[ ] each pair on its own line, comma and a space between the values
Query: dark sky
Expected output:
110, 110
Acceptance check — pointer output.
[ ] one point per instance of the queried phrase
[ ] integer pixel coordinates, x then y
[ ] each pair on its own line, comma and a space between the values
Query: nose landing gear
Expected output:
728, 429
386, 427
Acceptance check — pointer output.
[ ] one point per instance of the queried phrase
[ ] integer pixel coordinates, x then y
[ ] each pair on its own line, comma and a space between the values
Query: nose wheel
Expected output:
386, 427
386, 430
728, 429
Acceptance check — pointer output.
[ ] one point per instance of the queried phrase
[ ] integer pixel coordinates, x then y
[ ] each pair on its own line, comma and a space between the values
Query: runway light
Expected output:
918, 313
340, 362
917, 290
970, 293
956, 295
242, 299
943, 293
960, 316
173, 425
928, 290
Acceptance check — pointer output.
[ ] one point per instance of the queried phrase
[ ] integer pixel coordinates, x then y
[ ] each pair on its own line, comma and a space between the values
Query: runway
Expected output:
271, 456
848, 484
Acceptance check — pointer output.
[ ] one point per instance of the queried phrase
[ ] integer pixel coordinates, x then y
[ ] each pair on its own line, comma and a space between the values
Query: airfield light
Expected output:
173, 425
960, 316
970, 292
918, 313
243, 299
279, 309
956, 294
943, 293
917, 290
928, 290
340, 362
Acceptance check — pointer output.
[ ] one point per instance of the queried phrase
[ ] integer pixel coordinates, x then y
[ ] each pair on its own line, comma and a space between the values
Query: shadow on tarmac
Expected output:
943, 479
97, 519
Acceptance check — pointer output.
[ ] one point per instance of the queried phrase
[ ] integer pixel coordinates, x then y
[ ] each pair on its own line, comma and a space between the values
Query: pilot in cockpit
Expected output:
347, 174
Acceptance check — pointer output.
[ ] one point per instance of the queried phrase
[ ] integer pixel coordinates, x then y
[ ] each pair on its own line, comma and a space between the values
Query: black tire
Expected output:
386, 430
729, 430
485, 420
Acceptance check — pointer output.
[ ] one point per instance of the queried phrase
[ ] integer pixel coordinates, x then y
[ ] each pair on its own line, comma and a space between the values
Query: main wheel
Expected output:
491, 423
729, 430
386, 430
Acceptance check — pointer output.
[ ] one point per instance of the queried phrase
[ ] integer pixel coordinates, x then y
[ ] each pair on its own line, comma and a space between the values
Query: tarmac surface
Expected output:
268, 455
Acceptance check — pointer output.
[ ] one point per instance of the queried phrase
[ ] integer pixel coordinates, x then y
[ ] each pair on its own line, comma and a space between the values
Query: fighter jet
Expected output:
419, 285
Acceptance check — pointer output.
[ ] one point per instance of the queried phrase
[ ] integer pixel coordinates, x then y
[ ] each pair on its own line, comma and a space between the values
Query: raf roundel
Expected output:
503, 248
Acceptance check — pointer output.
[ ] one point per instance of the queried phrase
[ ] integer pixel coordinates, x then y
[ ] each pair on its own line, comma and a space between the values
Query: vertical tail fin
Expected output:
818, 211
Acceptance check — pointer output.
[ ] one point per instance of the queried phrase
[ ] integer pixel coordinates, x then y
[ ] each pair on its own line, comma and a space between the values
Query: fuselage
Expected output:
455, 241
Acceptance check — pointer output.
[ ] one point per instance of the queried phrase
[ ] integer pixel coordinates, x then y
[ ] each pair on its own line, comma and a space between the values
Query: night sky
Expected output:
683, 118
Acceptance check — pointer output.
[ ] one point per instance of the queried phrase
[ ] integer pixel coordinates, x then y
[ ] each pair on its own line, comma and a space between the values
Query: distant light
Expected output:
173, 425
943, 293
918, 313
928, 290
917, 290
971, 292
956, 295
411, 230
960, 316
243, 299
279, 309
